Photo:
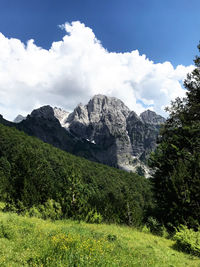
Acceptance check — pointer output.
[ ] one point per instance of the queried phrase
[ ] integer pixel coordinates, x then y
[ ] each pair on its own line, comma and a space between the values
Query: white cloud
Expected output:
75, 69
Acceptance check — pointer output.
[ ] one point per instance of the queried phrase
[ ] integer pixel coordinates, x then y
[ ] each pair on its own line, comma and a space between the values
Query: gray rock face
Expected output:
19, 118
45, 112
61, 115
104, 130
100, 120
151, 117
125, 138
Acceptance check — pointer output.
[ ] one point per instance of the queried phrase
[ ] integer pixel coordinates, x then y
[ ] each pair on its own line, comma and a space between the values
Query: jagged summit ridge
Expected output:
45, 112
61, 115
149, 116
97, 108
109, 123
108, 114
101, 104
106, 130
19, 118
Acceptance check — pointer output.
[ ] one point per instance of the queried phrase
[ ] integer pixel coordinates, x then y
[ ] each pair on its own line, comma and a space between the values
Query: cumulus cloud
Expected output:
78, 67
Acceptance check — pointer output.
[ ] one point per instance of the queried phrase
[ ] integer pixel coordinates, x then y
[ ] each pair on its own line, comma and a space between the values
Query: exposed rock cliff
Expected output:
151, 117
104, 130
125, 138
19, 118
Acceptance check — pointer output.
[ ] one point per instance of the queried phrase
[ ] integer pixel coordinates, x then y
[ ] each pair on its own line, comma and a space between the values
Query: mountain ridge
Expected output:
104, 130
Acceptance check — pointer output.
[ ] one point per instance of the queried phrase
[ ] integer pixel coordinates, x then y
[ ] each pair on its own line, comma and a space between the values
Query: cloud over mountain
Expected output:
78, 67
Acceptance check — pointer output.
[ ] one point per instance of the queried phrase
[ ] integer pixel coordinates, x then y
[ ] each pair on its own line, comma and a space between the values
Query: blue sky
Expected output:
165, 32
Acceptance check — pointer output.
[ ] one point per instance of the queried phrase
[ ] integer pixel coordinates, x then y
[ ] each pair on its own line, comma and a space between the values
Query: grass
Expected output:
34, 242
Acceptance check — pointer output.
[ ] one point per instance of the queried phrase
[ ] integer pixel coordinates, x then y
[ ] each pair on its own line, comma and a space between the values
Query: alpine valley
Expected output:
105, 130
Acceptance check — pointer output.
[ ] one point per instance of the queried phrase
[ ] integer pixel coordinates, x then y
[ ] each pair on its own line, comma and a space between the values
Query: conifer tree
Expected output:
177, 158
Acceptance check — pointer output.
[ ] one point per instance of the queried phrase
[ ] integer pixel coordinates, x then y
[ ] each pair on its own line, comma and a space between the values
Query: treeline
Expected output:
177, 159
37, 178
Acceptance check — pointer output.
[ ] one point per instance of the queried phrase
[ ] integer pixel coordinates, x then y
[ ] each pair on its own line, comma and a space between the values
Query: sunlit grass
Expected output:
35, 242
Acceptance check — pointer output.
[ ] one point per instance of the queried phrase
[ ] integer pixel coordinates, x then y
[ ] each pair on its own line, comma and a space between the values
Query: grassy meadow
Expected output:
28, 241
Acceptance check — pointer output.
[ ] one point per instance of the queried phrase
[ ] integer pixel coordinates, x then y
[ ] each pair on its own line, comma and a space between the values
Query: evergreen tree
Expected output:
41, 180
177, 158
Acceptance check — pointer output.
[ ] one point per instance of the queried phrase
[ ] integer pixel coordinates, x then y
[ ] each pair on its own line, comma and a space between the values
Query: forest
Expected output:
39, 180
176, 161
36, 177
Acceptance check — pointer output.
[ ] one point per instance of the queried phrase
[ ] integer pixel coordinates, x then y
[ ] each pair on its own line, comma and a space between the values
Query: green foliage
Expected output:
49, 210
177, 159
93, 217
188, 240
35, 242
6, 231
145, 229
2, 206
155, 227
111, 237
43, 181
140, 171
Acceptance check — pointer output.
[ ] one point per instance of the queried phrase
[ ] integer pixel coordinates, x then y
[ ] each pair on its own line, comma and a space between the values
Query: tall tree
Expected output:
177, 159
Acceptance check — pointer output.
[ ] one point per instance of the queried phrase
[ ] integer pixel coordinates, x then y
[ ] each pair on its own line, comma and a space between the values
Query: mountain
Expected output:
34, 173
105, 130
151, 117
125, 138
44, 124
19, 118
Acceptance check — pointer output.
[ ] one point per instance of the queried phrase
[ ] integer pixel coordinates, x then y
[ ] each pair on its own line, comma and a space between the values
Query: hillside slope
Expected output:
33, 172
104, 130
34, 242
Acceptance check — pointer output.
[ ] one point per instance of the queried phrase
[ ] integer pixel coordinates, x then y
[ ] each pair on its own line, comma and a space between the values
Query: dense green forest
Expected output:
177, 159
40, 179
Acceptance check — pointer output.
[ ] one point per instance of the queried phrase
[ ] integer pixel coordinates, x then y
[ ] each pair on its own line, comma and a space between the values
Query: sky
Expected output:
63, 52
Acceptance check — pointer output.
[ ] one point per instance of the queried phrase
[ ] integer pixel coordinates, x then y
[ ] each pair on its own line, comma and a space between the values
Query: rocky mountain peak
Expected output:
61, 115
100, 108
102, 115
103, 104
45, 112
150, 117
104, 130
19, 118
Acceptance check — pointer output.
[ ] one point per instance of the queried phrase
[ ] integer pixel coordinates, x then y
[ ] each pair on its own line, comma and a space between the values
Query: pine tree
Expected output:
177, 158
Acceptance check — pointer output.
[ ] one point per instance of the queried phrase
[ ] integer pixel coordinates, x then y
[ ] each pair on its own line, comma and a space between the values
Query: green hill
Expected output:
35, 242
45, 181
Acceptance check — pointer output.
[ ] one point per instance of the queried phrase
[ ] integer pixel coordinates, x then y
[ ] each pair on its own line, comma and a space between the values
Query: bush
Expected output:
2, 206
94, 217
156, 227
145, 229
6, 230
50, 210
10, 207
111, 237
188, 240
34, 212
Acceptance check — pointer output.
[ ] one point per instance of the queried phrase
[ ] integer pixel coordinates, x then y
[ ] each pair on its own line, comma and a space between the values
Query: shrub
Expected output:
145, 229
10, 207
6, 230
50, 210
156, 227
94, 217
111, 237
188, 240
2, 206
34, 212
